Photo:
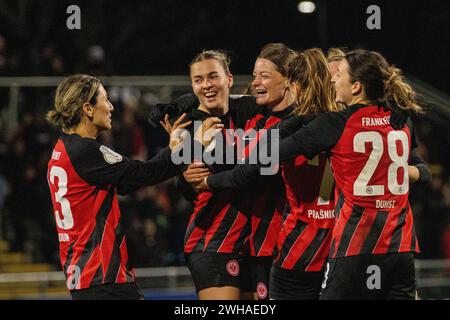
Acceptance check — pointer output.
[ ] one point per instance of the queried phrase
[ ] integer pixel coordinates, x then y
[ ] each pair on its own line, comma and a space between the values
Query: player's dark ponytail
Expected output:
398, 91
381, 81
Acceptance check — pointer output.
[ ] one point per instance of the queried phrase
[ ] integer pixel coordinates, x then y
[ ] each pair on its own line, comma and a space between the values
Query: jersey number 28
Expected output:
361, 187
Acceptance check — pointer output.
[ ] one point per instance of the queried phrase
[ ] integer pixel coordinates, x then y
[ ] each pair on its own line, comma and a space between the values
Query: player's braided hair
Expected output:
335, 54
381, 82
70, 96
309, 71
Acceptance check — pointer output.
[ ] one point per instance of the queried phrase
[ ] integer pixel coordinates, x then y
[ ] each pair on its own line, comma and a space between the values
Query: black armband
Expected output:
424, 173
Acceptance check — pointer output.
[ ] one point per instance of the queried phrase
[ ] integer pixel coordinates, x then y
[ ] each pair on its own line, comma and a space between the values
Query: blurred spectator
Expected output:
432, 213
95, 60
52, 62
445, 242
146, 227
27, 219
4, 190
128, 136
8, 61
156, 138
445, 239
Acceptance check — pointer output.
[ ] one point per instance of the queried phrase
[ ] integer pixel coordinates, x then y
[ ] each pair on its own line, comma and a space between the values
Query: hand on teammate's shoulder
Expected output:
399, 117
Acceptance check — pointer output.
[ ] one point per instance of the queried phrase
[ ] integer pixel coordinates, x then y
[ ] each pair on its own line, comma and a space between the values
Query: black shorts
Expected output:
112, 291
294, 284
214, 269
370, 277
256, 275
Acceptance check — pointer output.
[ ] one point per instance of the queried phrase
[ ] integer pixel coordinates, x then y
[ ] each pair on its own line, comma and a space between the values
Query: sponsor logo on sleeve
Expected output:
110, 156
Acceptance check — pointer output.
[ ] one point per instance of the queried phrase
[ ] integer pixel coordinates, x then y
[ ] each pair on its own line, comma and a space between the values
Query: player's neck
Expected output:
214, 111
359, 100
84, 130
287, 100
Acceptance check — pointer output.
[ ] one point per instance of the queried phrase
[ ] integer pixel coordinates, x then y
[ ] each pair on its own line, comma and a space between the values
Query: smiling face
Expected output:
345, 89
211, 84
101, 111
269, 85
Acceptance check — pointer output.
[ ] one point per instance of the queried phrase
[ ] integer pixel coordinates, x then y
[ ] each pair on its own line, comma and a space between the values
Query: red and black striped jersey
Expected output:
305, 235
370, 164
216, 224
264, 201
84, 177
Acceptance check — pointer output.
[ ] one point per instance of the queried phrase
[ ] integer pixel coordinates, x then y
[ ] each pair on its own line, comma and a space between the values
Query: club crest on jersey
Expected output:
110, 156
261, 290
233, 268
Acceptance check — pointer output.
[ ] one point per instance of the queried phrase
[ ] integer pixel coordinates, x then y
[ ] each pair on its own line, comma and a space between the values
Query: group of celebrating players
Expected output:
332, 216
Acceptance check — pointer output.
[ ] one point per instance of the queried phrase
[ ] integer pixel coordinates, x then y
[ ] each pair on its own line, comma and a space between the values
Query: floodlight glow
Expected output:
306, 7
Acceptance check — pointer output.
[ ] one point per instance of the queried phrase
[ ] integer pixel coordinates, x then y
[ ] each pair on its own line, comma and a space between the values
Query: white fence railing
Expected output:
433, 278
165, 85
439, 101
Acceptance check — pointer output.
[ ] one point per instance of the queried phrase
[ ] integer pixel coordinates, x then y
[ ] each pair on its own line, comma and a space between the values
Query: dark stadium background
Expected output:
160, 38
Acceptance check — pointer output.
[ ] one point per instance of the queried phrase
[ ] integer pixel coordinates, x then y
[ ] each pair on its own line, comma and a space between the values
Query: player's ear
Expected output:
295, 89
230, 80
357, 88
88, 110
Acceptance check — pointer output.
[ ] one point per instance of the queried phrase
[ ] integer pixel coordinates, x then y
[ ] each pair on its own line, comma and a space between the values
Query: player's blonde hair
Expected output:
309, 71
71, 94
335, 54
222, 56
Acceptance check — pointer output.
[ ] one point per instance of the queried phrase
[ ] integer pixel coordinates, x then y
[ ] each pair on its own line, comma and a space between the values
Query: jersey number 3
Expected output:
66, 222
361, 187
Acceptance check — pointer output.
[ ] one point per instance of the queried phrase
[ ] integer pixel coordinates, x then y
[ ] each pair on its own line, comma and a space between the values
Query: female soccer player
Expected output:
374, 234
265, 200
85, 177
334, 57
217, 229
262, 203
304, 240
373, 240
